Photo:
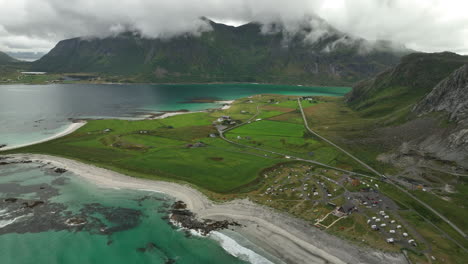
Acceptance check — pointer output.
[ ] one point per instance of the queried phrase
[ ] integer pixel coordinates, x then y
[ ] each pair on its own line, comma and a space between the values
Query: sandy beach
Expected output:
226, 104
285, 237
70, 129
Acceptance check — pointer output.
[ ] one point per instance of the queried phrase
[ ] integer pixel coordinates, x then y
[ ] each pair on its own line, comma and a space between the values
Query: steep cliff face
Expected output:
450, 95
445, 135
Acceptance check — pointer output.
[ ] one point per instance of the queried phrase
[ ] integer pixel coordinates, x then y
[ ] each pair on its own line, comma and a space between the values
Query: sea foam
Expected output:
4, 223
233, 248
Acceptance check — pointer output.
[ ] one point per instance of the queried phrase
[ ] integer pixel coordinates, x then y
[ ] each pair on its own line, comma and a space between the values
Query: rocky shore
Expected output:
289, 239
187, 219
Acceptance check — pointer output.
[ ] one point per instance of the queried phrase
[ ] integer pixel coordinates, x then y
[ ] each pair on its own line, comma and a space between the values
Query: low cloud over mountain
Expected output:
426, 25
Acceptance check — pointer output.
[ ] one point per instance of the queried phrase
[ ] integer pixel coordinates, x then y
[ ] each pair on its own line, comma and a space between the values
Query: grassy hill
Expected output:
226, 53
6, 59
10, 67
397, 89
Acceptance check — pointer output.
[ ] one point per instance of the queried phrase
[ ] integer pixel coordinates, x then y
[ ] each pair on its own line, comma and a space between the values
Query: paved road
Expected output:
381, 175
221, 134
333, 144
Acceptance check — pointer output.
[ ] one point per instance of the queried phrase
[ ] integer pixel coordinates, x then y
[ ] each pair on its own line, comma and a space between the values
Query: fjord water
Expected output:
30, 113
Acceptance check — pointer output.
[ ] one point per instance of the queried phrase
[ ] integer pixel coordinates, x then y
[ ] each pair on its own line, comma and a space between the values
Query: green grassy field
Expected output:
159, 149
180, 149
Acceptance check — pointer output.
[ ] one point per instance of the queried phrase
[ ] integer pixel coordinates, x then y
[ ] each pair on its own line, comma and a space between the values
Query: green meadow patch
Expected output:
271, 128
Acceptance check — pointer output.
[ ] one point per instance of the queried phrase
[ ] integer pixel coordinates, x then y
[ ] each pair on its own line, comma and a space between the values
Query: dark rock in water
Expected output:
75, 221
187, 219
150, 246
165, 217
52, 216
3, 145
60, 170
121, 218
60, 181
32, 204
148, 197
109, 242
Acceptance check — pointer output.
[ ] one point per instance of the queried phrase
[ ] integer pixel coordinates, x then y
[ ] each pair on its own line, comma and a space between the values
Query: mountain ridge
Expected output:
403, 85
6, 59
421, 107
244, 54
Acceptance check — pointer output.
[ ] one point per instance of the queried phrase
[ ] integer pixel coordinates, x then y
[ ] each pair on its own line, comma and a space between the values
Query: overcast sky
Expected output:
424, 25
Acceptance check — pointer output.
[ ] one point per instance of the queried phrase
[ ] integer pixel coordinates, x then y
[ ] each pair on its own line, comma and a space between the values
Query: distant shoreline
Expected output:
289, 239
78, 123
180, 83
70, 129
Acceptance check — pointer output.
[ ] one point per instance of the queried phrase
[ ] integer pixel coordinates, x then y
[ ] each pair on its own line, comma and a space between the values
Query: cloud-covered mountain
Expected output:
308, 51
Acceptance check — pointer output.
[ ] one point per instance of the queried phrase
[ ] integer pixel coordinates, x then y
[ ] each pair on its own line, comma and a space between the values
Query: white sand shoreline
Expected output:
169, 114
70, 129
290, 239
226, 104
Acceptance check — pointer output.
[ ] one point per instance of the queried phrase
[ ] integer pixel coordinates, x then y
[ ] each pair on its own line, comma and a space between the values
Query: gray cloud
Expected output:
426, 25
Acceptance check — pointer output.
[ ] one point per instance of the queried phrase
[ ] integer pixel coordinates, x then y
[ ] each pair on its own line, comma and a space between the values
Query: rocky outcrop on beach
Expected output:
5, 161
187, 219
60, 170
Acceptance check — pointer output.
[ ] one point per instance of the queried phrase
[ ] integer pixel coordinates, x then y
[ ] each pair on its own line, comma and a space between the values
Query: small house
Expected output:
346, 208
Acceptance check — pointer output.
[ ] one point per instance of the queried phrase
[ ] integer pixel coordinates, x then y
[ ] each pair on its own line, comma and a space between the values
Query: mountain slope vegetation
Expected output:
6, 59
241, 54
398, 88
